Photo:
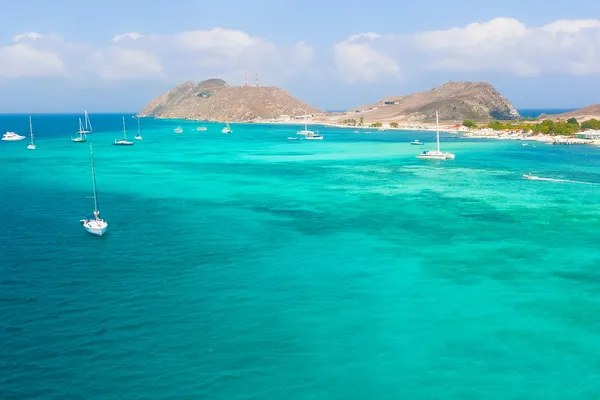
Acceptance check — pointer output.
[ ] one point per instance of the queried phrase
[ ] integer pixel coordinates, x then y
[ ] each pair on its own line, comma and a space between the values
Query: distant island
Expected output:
215, 100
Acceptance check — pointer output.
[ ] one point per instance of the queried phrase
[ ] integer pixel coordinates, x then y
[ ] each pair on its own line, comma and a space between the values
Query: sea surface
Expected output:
250, 266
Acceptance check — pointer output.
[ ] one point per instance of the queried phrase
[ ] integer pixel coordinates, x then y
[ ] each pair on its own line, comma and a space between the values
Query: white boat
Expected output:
139, 135
368, 132
94, 224
124, 141
82, 135
523, 144
416, 142
31, 145
11, 137
532, 177
178, 129
201, 128
436, 154
227, 129
86, 128
381, 128
305, 131
314, 136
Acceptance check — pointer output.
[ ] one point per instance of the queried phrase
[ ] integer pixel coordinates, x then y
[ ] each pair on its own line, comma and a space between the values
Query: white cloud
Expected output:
27, 35
195, 55
128, 35
25, 61
503, 45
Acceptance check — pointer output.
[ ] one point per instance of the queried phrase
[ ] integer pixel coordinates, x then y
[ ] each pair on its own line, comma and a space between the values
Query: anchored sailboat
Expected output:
436, 154
227, 129
94, 224
31, 145
88, 125
139, 135
82, 136
124, 141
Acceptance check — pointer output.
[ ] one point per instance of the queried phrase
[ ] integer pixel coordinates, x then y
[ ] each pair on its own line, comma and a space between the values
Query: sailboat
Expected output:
227, 129
82, 136
178, 129
31, 146
436, 154
305, 131
88, 125
94, 224
124, 141
139, 135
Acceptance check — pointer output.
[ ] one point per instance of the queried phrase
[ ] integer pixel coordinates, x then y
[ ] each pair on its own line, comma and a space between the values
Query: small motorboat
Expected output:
531, 177
416, 142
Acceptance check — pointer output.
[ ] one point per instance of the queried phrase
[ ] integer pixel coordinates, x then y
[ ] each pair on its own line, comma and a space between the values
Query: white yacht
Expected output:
178, 129
124, 141
201, 128
416, 142
31, 145
94, 224
11, 137
227, 129
436, 154
139, 135
314, 136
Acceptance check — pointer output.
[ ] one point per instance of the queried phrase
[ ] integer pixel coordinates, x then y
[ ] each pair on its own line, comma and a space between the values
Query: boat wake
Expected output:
538, 178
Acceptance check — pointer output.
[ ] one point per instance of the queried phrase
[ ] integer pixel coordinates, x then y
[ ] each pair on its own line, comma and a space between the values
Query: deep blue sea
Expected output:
250, 266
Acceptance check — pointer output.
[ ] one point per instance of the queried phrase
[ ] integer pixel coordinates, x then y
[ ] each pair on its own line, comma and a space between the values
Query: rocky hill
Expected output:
455, 101
581, 115
215, 100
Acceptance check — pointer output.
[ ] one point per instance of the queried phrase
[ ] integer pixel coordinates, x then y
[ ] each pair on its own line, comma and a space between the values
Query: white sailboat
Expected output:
124, 141
436, 154
227, 129
178, 129
88, 125
94, 224
139, 135
305, 131
31, 145
82, 136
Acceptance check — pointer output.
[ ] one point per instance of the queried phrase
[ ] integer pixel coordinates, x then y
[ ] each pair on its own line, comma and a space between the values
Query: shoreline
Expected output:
482, 133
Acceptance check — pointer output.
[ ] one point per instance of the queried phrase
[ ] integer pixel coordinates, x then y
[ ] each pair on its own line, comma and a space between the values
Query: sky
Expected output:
110, 56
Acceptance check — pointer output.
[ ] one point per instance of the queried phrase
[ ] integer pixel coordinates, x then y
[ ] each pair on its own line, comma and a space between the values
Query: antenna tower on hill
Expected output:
257, 81
245, 79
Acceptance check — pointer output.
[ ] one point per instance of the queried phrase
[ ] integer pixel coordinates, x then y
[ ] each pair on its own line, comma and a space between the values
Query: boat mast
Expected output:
94, 182
124, 129
88, 122
138, 118
30, 130
437, 126
80, 127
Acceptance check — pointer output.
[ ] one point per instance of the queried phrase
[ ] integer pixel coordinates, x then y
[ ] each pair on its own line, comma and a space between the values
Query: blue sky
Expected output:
335, 54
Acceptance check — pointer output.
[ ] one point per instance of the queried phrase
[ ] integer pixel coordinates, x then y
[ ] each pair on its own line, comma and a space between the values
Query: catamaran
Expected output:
124, 141
94, 224
305, 131
227, 129
139, 135
436, 154
31, 145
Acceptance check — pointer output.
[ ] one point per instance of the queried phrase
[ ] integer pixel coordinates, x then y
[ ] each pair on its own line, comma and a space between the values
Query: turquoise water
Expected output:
249, 266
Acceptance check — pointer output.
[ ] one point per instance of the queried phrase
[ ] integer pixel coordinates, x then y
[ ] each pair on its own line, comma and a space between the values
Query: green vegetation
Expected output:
393, 124
469, 124
376, 125
591, 124
351, 122
361, 121
568, 128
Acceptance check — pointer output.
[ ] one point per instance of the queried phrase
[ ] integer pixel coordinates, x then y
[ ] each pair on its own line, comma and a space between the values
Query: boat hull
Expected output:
13, 139
96, 228
78, 140
31, 147
122, 143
